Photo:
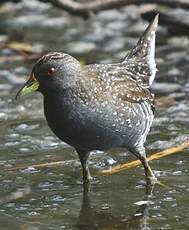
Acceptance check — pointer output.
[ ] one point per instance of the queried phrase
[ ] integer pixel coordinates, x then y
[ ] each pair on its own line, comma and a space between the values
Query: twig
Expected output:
85, 9
115, 169
43, 165
155, 156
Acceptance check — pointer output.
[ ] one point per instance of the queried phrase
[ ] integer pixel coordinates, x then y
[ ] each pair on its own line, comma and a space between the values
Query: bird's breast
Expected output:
79, 126
93, 127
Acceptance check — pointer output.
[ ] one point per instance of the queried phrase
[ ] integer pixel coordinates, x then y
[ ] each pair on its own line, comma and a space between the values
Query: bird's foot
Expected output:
150, 183
150, 176
152, 180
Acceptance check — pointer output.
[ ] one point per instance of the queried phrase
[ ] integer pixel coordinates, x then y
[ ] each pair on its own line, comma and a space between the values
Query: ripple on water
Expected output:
57, 198
30, 170
48, 145
10, 144
24, 150
33, 213
45, 185
25, 127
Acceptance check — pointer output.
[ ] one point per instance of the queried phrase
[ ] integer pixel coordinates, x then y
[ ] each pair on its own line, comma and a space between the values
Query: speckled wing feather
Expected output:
117, 84
130, 88
130, 80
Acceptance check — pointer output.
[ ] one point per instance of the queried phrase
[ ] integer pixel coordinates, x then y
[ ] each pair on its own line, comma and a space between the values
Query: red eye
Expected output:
50, 71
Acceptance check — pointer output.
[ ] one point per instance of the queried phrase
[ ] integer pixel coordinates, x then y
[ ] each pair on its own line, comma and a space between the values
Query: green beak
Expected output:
29, 87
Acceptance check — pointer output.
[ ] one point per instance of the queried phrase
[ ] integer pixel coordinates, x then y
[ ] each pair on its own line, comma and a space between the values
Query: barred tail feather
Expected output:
143, 54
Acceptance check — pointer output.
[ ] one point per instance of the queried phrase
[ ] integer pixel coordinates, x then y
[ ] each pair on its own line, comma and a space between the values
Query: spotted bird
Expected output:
99, 106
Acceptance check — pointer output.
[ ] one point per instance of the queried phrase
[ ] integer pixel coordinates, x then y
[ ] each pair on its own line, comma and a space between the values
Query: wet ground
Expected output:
53, 197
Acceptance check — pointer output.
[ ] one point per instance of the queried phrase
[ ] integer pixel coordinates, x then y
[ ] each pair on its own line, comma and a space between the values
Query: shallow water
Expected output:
53, 197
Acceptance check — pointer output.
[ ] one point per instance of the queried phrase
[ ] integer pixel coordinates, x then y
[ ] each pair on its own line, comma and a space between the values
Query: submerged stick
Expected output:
154, 156
43, 165
117, 168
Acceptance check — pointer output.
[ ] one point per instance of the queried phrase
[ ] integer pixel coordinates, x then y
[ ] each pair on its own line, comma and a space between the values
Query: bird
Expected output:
99, 106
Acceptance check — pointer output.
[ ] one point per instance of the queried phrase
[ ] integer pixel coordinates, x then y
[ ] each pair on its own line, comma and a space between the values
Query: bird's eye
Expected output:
50, 71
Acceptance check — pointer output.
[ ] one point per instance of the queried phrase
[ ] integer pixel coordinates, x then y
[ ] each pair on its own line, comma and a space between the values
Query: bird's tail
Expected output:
142, 56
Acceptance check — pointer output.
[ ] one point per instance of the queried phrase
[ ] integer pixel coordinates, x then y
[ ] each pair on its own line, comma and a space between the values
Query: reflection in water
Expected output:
90, 219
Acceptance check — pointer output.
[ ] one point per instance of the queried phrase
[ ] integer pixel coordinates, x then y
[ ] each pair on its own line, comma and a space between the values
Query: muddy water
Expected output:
53, 197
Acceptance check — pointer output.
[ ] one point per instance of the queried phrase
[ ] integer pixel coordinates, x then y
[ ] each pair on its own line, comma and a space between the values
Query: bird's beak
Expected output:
30, 86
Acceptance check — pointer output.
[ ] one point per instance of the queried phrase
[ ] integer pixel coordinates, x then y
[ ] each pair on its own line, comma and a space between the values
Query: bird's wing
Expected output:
127, 87
115, 82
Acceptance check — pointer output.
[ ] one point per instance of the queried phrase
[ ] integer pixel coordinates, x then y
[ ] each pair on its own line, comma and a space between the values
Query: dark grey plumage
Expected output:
101, 106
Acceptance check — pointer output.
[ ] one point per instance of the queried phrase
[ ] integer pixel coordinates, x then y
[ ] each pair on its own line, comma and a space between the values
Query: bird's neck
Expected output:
62, 98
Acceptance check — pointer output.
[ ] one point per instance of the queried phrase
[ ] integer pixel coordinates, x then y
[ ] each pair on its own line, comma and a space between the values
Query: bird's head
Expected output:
52, 72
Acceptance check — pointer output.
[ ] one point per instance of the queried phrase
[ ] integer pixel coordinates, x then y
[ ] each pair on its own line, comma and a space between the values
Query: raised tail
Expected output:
141, 58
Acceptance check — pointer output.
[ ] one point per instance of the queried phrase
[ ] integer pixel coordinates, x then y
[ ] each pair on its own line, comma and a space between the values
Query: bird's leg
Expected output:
83, 156
150, 177
141, 155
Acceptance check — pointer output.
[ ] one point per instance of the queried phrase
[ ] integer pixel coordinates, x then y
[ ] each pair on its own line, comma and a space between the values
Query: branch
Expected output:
154, 156
117, 168
85, 9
